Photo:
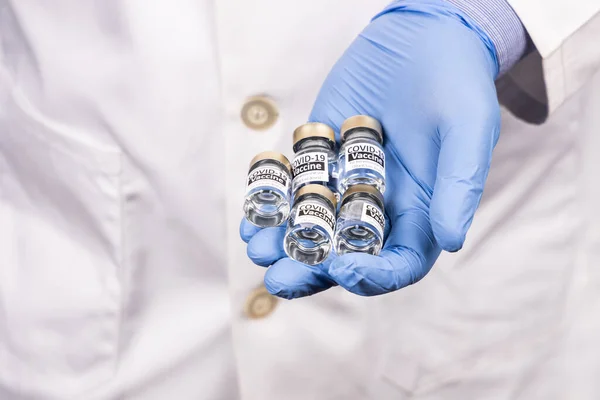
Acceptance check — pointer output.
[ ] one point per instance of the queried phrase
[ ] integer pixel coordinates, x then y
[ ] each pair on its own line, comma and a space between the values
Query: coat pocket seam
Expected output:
99, 158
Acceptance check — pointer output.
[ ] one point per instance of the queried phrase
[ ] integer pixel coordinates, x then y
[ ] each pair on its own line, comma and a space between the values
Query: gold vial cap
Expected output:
362, 188
272, 155
361, 121
313, 130
317, 189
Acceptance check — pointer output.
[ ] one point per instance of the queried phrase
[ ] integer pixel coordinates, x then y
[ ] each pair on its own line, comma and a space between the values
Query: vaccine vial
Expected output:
268, 189
361, 159
360, 221
315, 159
309, 234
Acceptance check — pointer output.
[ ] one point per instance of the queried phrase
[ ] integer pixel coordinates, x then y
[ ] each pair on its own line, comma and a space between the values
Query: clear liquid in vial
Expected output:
361, 161
308, 244
315, 151
265, 207
309, 234
353, 234
268, 191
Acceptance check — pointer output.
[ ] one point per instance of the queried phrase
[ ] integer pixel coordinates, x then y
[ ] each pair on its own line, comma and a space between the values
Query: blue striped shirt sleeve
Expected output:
502, 25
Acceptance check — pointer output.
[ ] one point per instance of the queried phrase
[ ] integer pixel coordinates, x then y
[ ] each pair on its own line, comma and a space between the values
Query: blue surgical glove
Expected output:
427, 73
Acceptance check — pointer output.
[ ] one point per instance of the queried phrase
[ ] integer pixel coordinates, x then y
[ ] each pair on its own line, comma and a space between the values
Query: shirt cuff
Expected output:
502, 25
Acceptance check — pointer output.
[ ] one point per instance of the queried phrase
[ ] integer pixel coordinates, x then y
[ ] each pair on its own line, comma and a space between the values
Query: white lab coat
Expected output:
122, 157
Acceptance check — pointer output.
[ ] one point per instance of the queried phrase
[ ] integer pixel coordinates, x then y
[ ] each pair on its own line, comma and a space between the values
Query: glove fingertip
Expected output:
258, 256
448, 232
349, 272
453, 206
247, 230
266, 246
449, 239
346, 262
274, 287
290, 279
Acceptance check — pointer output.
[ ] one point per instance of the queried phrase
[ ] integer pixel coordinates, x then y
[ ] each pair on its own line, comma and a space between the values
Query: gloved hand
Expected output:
427, 73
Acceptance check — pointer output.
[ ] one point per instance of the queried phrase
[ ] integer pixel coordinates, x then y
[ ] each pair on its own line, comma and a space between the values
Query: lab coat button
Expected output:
259, 303
259, 113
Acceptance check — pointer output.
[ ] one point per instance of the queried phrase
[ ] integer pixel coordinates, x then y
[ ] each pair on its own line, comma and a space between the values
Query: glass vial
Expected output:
315, 159
360, 221
309, 234
361, 160
268, 189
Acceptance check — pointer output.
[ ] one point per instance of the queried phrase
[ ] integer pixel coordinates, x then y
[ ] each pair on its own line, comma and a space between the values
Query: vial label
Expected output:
373, 216
315, 213
365, 155
309, 168
268, 176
